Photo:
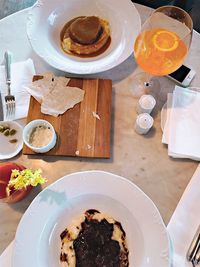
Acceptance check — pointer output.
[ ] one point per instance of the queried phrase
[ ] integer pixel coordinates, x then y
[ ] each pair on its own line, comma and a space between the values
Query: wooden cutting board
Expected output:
79, 133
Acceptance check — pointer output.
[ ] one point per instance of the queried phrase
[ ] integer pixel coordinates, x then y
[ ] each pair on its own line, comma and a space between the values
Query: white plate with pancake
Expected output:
47, 19
37, 241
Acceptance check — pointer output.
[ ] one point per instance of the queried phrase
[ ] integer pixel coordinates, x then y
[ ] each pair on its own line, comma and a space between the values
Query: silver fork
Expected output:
9, 98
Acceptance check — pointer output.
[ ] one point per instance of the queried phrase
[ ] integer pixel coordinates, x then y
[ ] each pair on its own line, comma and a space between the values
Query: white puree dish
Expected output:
39, 136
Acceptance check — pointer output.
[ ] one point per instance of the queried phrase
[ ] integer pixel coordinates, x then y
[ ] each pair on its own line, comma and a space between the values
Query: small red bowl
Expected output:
5, 173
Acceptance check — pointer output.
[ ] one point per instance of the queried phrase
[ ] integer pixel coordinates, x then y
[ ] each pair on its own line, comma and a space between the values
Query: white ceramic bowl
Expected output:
27, 131
47, 18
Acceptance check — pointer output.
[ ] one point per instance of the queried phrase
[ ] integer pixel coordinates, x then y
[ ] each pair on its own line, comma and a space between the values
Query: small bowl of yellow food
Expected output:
39, 136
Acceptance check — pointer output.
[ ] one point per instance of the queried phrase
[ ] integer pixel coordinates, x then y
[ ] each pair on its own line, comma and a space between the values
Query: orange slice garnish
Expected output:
165, 41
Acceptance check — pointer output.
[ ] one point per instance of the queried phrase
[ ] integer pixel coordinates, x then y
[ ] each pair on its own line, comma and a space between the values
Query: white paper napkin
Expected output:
166, 132
165, 137
185, 221
21, 75
182, 127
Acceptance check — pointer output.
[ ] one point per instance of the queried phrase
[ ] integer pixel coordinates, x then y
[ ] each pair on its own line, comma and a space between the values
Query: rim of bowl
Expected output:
34, 121
75, 69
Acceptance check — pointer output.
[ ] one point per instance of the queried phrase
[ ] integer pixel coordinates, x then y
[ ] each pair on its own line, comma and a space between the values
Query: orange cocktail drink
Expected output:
159, 51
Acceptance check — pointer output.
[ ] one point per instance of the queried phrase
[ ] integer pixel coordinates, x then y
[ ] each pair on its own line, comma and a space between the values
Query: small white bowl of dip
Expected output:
39, 136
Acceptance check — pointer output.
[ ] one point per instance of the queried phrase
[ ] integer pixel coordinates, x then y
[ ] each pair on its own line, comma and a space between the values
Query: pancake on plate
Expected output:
85, 35
94, 240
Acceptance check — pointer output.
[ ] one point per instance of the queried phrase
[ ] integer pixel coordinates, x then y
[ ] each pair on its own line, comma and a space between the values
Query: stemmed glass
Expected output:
161, 47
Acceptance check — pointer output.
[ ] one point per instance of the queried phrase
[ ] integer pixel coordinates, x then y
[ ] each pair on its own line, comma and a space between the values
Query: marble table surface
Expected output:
141, 159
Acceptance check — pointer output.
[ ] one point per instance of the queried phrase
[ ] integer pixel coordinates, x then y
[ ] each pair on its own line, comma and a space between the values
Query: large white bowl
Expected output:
47, 18
37, 241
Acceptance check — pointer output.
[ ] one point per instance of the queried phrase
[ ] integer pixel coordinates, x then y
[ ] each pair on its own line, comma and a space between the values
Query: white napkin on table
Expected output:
185, 221
166, 132
182, 128
165, 137
21, 75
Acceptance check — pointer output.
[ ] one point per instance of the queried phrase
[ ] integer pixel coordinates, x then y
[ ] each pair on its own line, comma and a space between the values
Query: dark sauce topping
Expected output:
94, 246
63, 257
63, 234
120, 227
92, 211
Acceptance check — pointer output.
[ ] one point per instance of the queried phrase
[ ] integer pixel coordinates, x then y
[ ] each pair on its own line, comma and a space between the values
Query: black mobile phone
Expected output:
183, 76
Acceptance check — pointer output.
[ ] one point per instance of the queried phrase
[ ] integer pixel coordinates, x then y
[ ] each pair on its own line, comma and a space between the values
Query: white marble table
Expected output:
142, 159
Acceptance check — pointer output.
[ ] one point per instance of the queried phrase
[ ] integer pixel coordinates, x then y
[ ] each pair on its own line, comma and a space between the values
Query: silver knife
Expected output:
197, 257
1, 108
194, 246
